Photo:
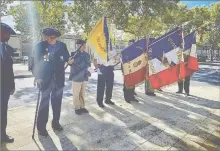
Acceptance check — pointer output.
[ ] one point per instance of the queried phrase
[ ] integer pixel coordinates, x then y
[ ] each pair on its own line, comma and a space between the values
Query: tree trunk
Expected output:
211, 51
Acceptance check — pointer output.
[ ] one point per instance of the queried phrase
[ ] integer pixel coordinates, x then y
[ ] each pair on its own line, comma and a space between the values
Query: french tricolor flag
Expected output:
166, 64
134, 61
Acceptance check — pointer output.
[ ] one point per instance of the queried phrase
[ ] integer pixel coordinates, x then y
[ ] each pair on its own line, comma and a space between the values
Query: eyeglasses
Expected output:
52, 37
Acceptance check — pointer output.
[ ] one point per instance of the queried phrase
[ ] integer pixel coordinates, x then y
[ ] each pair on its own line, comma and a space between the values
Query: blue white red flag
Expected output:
166, 64
190, 56
134, 61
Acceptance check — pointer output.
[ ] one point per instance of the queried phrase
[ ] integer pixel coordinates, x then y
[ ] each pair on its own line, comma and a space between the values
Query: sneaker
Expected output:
109, 102
7, 139
78, 112
84, 110
179, 92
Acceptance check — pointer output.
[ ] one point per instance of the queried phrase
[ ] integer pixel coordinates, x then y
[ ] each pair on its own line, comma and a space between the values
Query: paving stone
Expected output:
149, 146
122, 145
164, 140
149, 132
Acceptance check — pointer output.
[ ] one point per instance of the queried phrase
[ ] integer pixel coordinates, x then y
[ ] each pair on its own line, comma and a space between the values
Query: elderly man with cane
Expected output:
49, 60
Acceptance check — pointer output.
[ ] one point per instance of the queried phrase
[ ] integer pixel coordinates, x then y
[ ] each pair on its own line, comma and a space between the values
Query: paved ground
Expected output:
165, 122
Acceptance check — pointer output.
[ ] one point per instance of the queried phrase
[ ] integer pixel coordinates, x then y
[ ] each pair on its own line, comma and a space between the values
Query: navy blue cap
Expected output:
132, 40
8, 29
51, 32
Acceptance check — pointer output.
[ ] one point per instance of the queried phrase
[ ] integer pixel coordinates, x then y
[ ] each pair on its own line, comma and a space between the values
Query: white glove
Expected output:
91, 70
98, 71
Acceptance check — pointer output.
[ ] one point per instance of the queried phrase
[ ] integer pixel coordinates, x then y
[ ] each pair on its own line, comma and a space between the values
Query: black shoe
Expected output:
43, 133
187, 94
160, 90
84, 110
109, 102
101, 105
150, 94
135, 100
7, 139
128, 101
179, 92
57, 127
78, 111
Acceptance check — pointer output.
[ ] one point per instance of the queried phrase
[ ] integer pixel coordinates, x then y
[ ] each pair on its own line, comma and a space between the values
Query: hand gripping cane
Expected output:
36, 111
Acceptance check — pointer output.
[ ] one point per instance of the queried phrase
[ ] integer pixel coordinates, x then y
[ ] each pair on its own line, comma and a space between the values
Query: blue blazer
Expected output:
47, 69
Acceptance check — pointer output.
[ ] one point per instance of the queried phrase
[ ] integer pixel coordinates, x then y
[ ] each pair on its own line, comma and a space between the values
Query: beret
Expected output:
132, 40
8, 29
51, 32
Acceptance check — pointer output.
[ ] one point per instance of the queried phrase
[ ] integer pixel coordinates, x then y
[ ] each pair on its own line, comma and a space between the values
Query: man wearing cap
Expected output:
129, 92
79, 76
7, 78
49, 60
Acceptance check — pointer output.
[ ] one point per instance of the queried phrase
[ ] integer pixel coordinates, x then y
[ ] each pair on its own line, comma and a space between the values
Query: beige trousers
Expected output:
79, 89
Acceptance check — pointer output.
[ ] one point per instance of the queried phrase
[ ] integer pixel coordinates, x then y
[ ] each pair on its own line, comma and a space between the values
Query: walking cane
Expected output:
36, 111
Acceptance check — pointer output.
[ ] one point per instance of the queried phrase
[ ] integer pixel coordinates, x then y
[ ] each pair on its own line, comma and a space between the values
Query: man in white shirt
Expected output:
105, 79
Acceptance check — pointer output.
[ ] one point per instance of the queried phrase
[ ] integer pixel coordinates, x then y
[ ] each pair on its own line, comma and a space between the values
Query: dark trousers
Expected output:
184, 84
55, 94
5, 94
105, 84
128, 93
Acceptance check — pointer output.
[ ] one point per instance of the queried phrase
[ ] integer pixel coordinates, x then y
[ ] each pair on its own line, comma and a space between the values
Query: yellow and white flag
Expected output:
99, 41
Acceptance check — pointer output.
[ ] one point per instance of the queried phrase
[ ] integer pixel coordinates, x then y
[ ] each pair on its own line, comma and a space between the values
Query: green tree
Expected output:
31, 17
212, 36
4, 7
84, 14
138, 17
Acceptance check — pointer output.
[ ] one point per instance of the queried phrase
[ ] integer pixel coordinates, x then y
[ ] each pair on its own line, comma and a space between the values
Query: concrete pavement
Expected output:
166, 122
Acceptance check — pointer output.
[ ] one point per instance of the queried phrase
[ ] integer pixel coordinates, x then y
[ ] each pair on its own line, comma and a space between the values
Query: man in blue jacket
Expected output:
50, 57
79, 76
7, 78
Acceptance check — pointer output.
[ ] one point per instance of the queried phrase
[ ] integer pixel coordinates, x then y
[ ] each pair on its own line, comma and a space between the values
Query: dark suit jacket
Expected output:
46, 70
7, 74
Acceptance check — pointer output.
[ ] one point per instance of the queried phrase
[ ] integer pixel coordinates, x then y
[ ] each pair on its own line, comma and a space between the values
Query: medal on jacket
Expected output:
46, 55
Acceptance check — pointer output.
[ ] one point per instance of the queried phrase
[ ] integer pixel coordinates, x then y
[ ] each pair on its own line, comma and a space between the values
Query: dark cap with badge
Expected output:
8, 29
132, 40
51, 32
80, 42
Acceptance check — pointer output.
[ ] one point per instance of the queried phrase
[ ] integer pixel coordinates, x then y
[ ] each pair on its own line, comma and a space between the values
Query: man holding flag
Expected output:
129, 92
100, 45
190, 61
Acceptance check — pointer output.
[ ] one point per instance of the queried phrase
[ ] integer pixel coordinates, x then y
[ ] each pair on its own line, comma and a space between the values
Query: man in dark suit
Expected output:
7, 78
49, 60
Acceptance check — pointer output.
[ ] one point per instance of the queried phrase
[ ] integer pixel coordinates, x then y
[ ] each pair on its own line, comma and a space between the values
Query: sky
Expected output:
194, 3
9, 19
